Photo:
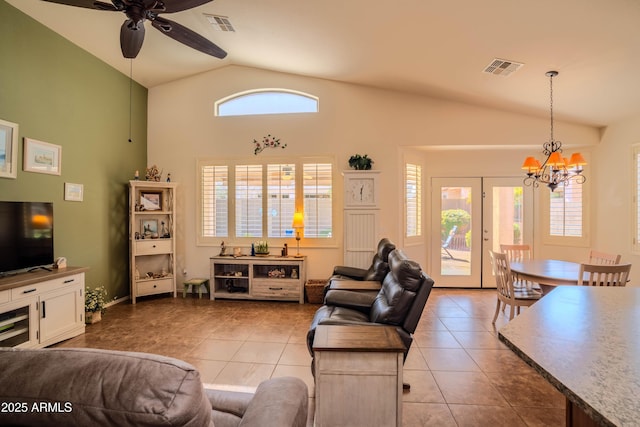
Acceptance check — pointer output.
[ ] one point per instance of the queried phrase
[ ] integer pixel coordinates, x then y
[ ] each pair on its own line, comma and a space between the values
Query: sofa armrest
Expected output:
356, 300
278, 402
227, 405
351, 272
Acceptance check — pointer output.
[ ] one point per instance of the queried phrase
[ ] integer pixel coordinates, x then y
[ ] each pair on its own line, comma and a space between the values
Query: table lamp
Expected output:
298, 223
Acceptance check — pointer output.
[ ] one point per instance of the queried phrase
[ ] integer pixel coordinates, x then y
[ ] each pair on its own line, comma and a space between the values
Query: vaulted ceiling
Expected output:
434, 48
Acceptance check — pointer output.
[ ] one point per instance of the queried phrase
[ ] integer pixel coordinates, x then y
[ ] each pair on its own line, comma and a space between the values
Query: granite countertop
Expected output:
586, 342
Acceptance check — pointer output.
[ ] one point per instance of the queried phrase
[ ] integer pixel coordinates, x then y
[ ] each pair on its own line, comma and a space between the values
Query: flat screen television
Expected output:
26, 235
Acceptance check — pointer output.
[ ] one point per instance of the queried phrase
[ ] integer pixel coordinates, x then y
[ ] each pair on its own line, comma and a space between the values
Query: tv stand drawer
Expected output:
46, 286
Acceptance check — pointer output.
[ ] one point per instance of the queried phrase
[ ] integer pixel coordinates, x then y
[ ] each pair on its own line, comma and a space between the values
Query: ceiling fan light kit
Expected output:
138, 11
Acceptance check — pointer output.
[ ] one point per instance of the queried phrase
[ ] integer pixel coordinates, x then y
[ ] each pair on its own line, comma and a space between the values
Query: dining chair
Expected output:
597, 257
507, 293
516, 253
604, 275
519, 253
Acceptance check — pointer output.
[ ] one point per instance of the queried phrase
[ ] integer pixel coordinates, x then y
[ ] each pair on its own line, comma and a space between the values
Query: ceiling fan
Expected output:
138, 11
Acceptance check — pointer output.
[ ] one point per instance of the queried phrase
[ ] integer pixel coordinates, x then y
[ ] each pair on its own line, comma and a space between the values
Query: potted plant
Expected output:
94, 304
262, 247
359, 162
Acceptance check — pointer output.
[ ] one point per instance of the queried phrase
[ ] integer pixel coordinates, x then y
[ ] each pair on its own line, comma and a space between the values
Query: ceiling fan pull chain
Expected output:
130, 93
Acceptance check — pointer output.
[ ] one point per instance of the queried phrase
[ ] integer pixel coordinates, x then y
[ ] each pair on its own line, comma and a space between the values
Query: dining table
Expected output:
549, 273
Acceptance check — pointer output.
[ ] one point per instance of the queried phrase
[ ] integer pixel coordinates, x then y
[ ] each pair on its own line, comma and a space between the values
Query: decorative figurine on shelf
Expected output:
137, 274
165, 232
223, 249
294, 274
153, 174
168, 177
136, 176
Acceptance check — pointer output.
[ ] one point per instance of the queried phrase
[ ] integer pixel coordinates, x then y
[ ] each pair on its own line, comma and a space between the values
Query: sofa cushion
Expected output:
90, 387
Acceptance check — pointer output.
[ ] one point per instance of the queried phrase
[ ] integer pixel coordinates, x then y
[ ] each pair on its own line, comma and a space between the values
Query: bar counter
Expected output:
586, 342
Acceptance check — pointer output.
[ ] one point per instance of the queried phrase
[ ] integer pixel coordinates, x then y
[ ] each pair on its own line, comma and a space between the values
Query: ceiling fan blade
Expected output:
172, 6
89, 4
188, 37
131, 38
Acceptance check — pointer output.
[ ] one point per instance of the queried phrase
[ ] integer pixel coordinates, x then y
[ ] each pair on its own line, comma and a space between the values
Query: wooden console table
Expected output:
358, 375
258, 277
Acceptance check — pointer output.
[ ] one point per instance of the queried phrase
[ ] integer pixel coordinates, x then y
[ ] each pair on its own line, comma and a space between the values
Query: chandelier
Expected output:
556, 170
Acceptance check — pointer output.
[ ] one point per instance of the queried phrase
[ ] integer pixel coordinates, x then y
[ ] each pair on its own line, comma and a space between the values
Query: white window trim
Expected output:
221, 101
276, 242
583, 241
635, 204
419, 232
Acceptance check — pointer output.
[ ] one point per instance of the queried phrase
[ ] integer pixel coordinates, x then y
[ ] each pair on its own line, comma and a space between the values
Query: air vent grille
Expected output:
220, 23
502, 67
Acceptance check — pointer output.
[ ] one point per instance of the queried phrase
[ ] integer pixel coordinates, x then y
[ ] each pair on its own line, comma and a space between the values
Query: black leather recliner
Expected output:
400, 302
377, 270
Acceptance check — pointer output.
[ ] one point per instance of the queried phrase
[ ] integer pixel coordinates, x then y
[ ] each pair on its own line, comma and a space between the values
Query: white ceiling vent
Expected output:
220, 23
502, 67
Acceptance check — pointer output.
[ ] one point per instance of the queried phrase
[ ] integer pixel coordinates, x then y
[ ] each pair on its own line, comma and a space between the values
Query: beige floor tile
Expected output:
541, 417
437, 339
415, 360
423, 387
244, 374
295, 354
486, 415
468, 388
259, 352
426, 415
478, 339
449, 359
211, 349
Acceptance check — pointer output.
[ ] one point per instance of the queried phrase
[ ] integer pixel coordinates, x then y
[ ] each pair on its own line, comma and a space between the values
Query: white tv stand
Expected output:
41, 308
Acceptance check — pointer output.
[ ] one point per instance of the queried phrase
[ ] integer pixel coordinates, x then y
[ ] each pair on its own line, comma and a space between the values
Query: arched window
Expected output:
266, 101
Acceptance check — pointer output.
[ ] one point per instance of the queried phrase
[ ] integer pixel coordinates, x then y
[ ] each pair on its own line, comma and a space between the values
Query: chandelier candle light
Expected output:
555, 170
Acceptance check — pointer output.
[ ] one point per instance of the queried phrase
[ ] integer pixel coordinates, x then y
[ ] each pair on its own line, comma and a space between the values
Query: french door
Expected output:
470, 217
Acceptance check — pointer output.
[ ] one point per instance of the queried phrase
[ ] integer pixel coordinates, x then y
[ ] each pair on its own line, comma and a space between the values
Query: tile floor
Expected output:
460, 373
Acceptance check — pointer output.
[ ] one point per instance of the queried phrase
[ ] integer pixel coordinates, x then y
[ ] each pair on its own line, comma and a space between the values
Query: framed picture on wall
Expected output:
8, 149
73, 192
42, 157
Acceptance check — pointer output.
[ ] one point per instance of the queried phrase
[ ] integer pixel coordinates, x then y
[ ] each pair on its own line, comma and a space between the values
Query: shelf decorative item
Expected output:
153, 174
267, 142
262, 248
359, 162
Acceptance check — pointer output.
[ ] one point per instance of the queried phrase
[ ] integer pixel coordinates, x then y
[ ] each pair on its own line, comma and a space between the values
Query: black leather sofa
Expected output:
402, 297
377, 270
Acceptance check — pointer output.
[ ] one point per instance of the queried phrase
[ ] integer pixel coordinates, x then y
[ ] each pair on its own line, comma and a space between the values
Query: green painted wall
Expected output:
63, 95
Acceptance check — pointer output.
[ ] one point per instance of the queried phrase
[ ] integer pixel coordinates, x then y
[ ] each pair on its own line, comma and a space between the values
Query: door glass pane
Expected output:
507, 214
455, 231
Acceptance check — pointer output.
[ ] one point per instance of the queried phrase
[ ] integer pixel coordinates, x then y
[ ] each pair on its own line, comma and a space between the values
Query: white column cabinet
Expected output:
152, 238
361, 217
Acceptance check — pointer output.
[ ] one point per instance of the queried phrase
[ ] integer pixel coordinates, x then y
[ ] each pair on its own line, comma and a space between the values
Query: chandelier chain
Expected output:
551, 105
